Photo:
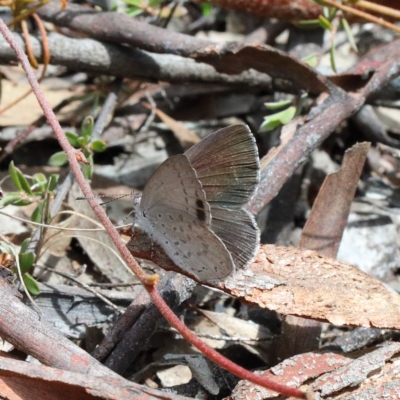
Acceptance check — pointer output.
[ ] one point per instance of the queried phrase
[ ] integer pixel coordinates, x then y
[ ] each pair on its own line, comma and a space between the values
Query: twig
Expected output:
32, 58
107, 109
363, 15
383, 10
85, 286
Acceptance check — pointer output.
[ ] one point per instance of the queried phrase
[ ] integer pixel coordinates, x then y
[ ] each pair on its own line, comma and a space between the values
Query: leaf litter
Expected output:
295, 288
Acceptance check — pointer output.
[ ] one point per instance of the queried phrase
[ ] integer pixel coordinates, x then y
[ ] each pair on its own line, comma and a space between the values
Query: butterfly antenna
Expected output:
115, 197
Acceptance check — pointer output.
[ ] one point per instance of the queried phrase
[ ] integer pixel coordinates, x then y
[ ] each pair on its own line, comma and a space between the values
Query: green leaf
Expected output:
287, 115
19, 179
278, 104
206, 9
300, 103
87, 128
332, 13
277, 119
311, 60
40, 181
325, 23
52, 182
98, 145
5, 248
86, 169
58, 159
82, 141
37, 215
24, 245
134, 12
269, 125
31, 284
325, 12
349, 34
155, 3
14, 199
14, 175
320, 2
332, 57
72, 139
39, 178
134, 3
26, 261
308, 24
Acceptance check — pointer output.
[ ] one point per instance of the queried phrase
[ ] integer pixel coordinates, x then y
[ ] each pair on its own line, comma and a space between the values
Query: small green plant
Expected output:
38, 189
326, 22
137, 7
23, 264
84, 143
291, 110
28, 193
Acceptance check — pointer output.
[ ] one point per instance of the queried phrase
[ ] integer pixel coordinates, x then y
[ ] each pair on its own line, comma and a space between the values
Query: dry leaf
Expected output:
370, 376
292, 372
239, 329
304, 283
21, 380
28, 110
325, 225
97, 244
374, 375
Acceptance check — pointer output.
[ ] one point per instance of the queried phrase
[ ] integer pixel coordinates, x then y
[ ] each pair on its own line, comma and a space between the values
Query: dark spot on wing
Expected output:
201, 215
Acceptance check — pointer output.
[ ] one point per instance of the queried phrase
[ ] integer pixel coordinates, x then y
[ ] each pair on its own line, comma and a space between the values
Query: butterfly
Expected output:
192, 205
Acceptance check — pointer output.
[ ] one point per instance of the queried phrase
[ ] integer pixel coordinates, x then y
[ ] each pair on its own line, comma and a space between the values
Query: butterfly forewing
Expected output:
174, 186
174, 210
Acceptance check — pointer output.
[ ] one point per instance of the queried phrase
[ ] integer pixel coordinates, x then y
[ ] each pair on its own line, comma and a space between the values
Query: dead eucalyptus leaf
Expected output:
325, 225
304, 283
373, 375
292, 372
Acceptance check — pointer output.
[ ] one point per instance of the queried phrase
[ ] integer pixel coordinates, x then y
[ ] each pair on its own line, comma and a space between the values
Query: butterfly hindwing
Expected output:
226, 162
239, 231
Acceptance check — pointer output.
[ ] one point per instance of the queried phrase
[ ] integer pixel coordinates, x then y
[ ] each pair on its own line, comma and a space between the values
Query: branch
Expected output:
97, 57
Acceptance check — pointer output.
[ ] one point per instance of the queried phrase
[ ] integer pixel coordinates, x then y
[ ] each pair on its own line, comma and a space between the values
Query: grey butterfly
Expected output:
192, 205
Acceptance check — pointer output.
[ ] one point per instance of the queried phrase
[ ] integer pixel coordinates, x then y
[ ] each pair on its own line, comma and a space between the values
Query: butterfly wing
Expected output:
175, 212
227, 164
174, 186
238, 230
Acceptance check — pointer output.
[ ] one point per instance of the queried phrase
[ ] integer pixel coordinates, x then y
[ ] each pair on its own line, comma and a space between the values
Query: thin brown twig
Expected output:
149, 282
85, 286
32, 59
45, 42
27, 13
383, 10
362, 14
29, 51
